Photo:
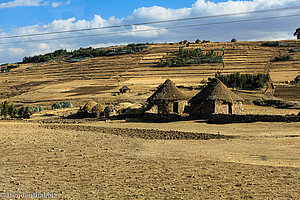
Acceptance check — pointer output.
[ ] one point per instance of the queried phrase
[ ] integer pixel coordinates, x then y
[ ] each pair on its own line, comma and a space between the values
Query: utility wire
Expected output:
154, 29
153, 22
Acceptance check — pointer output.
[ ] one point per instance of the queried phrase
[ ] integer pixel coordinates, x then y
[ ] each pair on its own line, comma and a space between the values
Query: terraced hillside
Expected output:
97, 78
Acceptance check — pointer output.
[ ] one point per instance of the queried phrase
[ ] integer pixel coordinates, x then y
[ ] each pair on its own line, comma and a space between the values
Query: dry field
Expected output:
93, 159
89, 164
96, 78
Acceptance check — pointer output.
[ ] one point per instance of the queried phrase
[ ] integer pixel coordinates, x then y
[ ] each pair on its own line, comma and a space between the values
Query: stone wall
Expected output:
201, 109
224, 119
167, 107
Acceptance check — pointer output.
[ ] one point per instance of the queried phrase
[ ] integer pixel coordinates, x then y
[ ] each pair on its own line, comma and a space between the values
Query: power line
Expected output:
163, 28
153, 22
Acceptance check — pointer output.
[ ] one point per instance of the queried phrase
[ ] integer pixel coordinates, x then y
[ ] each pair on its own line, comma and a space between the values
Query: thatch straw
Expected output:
167, 91
89, 106
214, 91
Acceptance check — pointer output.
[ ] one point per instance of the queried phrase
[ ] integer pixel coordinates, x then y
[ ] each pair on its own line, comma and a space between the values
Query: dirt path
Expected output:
93, 165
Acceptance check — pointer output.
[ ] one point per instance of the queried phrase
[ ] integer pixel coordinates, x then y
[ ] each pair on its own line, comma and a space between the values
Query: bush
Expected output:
271, 44
7, 110
244, 81
278, 44
286, 45
294, 50
282, 58
23, 112
7, 68
62, 105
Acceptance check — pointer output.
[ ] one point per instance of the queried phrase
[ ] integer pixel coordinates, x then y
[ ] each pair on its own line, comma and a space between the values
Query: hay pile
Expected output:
91, 109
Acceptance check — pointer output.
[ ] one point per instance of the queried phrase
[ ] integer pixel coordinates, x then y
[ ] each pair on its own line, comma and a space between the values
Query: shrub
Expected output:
278, 44
271, 44
282, 58
198, 41
286, 45
244, 81
294, 50
62, 105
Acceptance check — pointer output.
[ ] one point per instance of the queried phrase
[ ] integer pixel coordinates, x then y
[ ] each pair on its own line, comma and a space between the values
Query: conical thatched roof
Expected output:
125, 87
167, 91
215, 90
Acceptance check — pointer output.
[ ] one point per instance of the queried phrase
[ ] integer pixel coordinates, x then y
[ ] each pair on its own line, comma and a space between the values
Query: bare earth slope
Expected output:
96, 78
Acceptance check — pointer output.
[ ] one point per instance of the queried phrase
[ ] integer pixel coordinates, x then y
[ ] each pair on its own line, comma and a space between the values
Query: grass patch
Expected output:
282, 58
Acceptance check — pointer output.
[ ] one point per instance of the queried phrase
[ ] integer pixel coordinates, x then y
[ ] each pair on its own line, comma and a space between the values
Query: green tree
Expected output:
297, 33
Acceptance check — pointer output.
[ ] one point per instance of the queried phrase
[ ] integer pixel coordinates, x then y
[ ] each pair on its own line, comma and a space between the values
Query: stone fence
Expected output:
224, 119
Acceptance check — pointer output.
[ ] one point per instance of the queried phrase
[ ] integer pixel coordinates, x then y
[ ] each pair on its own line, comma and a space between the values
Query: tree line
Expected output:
192, 56
244, 81
89, 52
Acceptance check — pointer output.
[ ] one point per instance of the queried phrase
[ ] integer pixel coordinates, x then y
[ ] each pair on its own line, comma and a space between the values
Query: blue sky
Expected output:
19, 17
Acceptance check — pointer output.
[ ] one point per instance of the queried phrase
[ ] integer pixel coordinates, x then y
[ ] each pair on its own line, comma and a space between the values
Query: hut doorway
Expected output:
175, 107
230, 108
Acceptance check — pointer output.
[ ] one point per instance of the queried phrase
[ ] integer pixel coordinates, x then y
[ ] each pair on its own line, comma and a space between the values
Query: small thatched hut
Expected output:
124, 89
297, 79
167, 99
215, 98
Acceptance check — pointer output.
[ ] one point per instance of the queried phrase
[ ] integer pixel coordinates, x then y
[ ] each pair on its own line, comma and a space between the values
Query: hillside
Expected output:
97, 78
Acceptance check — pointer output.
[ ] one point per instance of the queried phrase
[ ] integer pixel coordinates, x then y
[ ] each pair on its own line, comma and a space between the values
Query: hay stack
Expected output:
98, 110
88, 107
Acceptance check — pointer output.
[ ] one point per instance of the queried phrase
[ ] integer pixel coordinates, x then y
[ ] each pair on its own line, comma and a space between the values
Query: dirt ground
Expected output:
90, 164
92, 159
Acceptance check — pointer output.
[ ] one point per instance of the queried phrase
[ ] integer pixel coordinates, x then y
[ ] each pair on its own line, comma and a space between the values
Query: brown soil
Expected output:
144, 133
288, 92
94, 165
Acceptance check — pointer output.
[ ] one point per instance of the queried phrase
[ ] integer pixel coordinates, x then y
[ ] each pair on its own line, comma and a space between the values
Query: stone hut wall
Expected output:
221, 107
202, 109
167, 107
224, 107
237, 107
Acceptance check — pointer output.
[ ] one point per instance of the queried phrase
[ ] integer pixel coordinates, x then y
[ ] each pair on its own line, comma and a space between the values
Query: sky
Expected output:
19, 17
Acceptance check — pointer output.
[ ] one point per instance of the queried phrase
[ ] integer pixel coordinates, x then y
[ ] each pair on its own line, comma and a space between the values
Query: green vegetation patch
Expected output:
9, 110
7, 68
294, 50
62, 105
283, 58
192, 56
278, 44
244, 81
84, 53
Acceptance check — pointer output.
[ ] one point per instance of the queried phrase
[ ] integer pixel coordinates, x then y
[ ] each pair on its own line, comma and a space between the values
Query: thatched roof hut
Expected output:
214, 91
167, 92
297, 79
124, 89
215, 98
167, 99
